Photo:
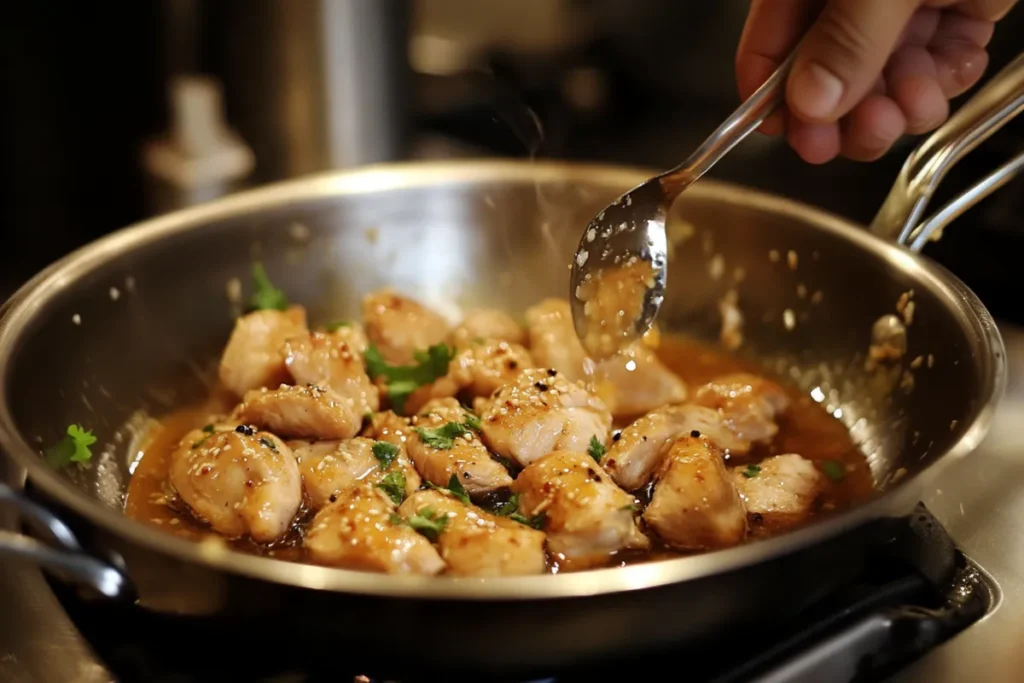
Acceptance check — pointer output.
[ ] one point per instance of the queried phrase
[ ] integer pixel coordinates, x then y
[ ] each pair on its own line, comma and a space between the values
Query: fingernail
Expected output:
815, 92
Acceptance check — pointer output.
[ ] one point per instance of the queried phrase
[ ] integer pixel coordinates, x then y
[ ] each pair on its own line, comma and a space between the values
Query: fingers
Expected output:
816, 143
987, 10
912, 83
842, 55
772, 28
871, 128
959, 51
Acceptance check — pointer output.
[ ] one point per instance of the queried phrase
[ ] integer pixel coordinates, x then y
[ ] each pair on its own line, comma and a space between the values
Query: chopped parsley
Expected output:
385, 453
268, 443
833, 470
402, 380
535, 522
443, 437
266, 296
751, 471
394, 486
454, 487
507, 508
337, 325
632, 507
596, 449
208, 429
426, 522
74, 447
473, 422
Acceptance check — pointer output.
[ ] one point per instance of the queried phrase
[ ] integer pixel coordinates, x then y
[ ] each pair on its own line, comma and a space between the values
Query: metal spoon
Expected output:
619, 272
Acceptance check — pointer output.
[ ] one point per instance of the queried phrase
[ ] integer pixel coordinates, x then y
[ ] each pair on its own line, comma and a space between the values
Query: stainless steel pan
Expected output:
135, 320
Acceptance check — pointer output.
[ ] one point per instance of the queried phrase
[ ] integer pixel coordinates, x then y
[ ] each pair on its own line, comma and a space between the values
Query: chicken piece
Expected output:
388, 426
695, 505
301, 412
630, 383
330, 468
585, 515
553, 340
239, 482
475, 543
637, 450
327, 360
399, 326
540, 412
487, 323
442, 444
635, 381
480, 369
750, 404
779, 492
351, 333
254, 356
358, 532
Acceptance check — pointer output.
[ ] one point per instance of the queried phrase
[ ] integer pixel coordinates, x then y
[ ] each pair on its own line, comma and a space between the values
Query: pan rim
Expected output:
389, 176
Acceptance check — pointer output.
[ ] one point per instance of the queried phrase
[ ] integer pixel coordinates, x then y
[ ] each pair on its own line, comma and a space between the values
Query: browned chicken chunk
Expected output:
781, 491
254, 356
240, 482
695, 505
328, 360
487, 323
638, 449
542, 411
301, 412
361, 531
399, 326
585, 515
476, 543
330, 468
443, 443
750, 404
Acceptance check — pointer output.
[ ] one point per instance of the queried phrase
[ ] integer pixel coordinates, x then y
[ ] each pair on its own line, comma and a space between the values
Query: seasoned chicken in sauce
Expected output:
241, 482
359, 531
401, 444
585, 515
474, 542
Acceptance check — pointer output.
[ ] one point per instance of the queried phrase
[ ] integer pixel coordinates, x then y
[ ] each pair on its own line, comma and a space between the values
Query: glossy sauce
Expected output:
805, 429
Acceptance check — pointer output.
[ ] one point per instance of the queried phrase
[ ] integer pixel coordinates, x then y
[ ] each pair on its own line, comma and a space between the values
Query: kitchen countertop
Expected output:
980, 500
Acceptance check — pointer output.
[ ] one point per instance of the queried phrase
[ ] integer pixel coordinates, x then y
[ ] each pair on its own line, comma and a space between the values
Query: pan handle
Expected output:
61, 554
994, 105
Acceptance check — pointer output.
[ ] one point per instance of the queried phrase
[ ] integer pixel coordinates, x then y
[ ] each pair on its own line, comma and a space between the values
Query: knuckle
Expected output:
848, 43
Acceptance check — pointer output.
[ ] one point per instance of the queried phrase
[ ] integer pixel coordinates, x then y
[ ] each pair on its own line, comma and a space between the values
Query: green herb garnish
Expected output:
454, 487
535, 522
473, 422
385, 453
596, 449
208, 429
833, 470
426, 522
507, 508
443, 437
337, 325
394, 486
268, 443
402, 380
266, 296
72, 448
632, 507
751, 471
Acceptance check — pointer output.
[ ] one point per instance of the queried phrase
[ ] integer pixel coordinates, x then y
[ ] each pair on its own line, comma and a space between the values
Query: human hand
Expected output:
868, 71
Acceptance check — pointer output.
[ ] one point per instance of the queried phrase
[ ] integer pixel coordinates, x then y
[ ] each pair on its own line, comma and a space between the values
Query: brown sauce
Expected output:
806, 429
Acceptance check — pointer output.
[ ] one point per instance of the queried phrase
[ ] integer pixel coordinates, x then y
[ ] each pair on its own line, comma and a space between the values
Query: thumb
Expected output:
843, 54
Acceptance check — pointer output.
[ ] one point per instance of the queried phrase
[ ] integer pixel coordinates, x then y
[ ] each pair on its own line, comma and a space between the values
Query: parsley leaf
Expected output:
473, 422
385, 453
268, 443
426, 522
266, 295
72, 448
632, 507
536, 522
337, 325
596, 449
454, 487
402, 380
508, 508
751, 471
835, 471
443, 437
208, 429
394, 486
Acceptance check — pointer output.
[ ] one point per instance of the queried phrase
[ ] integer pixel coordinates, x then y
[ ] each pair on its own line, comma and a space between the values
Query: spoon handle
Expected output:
739, 125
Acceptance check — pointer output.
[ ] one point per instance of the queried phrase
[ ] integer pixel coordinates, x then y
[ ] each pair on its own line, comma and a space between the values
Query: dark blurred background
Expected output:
113, 112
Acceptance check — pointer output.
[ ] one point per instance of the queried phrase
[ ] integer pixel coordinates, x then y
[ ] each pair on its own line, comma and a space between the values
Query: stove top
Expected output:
931, 611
